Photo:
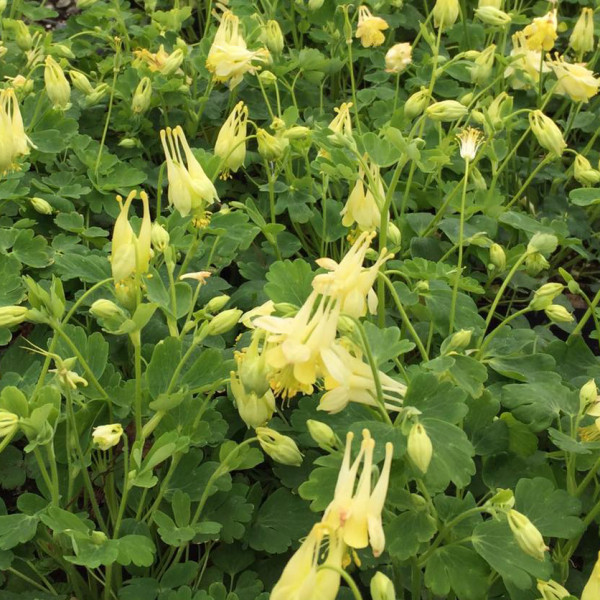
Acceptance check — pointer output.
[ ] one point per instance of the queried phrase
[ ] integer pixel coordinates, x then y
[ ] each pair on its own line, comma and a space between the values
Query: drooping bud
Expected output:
459, 341
445, 13
107, 309
280, 448
382, 587
57, 86
12, 315
543, 297
582, 38
107, 436
223, 322
493, 16
398, 57
497, 257
216, 304
142, 96
270, 147
527, 535
584, 173
81, 82
254, 410
322, 434
446, 110
272, 36
159, 237
483, 65
419, 447
23, 37
547, 133
588, 395
416, 103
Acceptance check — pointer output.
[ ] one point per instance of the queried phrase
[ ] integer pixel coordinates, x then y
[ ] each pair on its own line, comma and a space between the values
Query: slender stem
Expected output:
533, 173
588, 313
346, 577
43, 470
30, 581
492, 335
55, 491
461, 234
137, 349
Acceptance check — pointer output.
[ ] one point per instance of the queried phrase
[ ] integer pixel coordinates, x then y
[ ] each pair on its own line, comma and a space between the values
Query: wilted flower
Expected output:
541, 33
230, 146
190, 190
574, 80
398, 57
527, 535
582, 38
445, 13
229, 58
470, 140
57, 86
369, 28
107, 436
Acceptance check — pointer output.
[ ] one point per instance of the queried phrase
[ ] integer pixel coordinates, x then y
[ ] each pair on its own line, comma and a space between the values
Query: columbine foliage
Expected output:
299, 299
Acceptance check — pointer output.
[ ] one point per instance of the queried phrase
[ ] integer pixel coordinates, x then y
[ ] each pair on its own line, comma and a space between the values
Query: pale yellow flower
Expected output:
160, 61
362, 206
541, 33
15, 143
582, 38
470, 140
107, 436
348, 281
527, 535
398, 57
574, 80
445, 13
230, 146
190, 190
591, 591
369, 29
525, 65
57, 86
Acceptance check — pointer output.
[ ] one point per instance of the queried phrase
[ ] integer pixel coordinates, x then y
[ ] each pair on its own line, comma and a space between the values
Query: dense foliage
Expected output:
336, 337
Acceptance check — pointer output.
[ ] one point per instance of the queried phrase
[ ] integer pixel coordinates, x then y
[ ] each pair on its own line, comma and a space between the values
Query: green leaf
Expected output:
407, 532
494, 542
436, 399
16, 529
552, 511
585, 196
164, 361
281, 520
459, 569
321, 483
136, 549
385, 343
289, 281
32, 250
90, 268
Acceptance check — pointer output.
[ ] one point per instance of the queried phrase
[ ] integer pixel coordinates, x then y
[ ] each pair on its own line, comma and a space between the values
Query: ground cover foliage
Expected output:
299, 299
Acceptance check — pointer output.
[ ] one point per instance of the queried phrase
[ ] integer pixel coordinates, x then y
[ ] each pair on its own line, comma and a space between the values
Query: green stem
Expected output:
461, 233
55, 490
529, 179
499, 328
346, 577
137, 349
588, 313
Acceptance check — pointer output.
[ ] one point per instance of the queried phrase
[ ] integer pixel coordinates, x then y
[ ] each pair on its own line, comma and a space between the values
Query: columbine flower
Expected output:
295, 345
493, 16
362, 206
160, 61
229, 58
130, 254
190, 190
342, 122
12, 132
398, 57
524, 69
552, 590
547, 132
107, 436
584, 173
574, 80
69, 379
591, 591
349, 379
357, 514
280, 448
470, 140
483, 64
541, 33
369, 28
302, 579
8, 423
527, 535
445, 13
57, 86
582, 38
12, 315
348, 281
419, 447
230, 146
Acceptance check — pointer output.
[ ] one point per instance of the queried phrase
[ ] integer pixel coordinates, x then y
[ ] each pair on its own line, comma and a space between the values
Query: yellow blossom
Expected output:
445, 13
229, 58
547, 132
582, 38
57, 86
107, 436
160, 61
349, 379
362, 206
190, 190
419, 447
398, 57
342, 122
525, 65
230, 146
281, 448
470, 139
541, 33
348, 281
369, 28
552, 590
591, 591
584, 173
574, 80
527, 535
15, 142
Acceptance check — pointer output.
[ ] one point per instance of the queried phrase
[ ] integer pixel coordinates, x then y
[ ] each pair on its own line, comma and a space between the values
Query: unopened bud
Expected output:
216, 304
223, 322
8, 423
12, 315
107, 436
419, 447
40, 205
493, 16
416, 103
382, 587
584, 173
142, 96
106, 309
558, 314
57, 86
527, 535
272, 36
394, 234
459, 341
270, 147
298, 132
280, 448
159, 237
544, 296
446, 110
582, 38
173, 62
322, 434
23, 38
267, 78
535, 263
81, 82
497, 257
588, 395
547, 133
551, 590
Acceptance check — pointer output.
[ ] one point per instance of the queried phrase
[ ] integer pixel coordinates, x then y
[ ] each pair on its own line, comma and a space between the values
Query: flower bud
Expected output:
272, 36
588, 395
223, 322
322, 434
106, 309
270, 147
394, 234
129, 143
445, 13
12, 315
459, 341
57, 86
543, 297
107, 436
298, 132
535, 263
497, 257
526, 534
551, 590
216, 304
482, 67
382, 587
173, 62
558, 314
23, 38
547, 133
419, 447
493, 3
267, 78
3, 4
446, 110
96, 95
542, 242
416, 103
582, 38
315, 4
584, 173
142, 96
493, 16
81, 82
499, 109
8, 423
254, 410
398, 57
159, 237
280, 448
40, 205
